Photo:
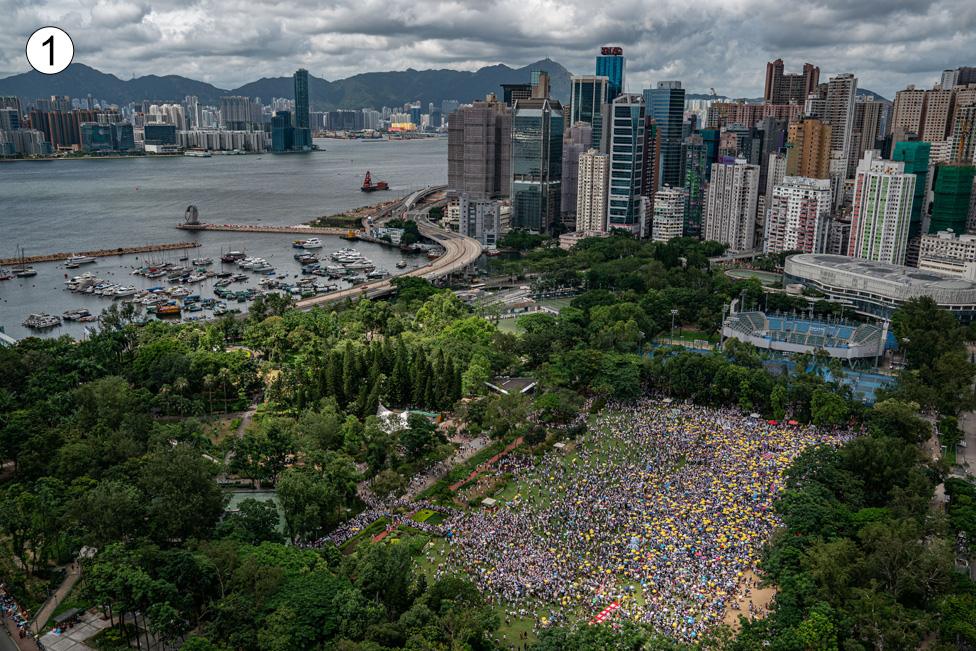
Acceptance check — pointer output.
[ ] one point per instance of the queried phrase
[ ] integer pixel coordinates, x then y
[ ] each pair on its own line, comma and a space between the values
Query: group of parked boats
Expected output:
176, 296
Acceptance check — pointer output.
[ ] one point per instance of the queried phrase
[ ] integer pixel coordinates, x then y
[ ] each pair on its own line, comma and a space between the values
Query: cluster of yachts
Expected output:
175, 295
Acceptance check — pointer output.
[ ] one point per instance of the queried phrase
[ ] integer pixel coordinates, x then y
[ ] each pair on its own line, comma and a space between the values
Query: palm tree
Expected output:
225, 376
180, 385
208, 383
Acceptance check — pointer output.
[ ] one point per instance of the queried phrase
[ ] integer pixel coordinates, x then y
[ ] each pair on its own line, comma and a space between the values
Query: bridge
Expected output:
459, 252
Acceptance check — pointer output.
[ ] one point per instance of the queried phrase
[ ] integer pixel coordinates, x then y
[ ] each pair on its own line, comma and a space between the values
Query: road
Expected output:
459, 252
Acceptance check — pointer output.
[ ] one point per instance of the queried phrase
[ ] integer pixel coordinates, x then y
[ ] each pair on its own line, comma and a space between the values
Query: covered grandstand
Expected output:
795, 334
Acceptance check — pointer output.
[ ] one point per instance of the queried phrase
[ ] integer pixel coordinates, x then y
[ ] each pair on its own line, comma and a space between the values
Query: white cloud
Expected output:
711, 43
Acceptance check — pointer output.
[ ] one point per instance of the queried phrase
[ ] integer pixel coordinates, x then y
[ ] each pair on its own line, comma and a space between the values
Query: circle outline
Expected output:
70, 40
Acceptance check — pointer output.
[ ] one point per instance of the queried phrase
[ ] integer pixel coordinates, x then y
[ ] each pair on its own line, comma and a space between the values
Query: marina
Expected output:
86, 257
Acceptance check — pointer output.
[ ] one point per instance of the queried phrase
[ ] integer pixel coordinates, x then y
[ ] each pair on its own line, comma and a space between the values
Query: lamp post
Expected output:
674, 313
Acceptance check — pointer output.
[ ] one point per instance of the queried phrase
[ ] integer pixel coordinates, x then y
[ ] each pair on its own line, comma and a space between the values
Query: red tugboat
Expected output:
369, 186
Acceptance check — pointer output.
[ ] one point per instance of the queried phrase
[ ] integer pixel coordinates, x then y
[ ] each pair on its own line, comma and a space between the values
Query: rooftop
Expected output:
892, 273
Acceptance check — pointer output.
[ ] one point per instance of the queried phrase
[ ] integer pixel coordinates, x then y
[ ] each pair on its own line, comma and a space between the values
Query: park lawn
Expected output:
423, 515
509, 326
436, 518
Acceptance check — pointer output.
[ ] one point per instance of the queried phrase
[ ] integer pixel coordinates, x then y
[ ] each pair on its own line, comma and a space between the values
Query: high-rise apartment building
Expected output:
964, 135
479, 150
808, 149
537, 159
576, 141
936, 117
839, 111
237, 113
669, 214
915, 155
666, 104
626, 149
785, 88
610, 64
883, 195
591, 192
589, 95
797, 215
907, 112
730, 204
865, 130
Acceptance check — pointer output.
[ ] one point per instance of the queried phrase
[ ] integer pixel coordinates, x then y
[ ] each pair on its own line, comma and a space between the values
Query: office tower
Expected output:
610, 64
936, 123
880, 223
479, 146
808, 150
669, 218
480, 219
730, 204
12, 103
952, 191
949, 78
652, 156
303, 130
694, 164
589, 94
783, 88
591, 192
123, 136
282, 132
540, 84
576, 141
839, 111
537, 153
96, 138
9, 119
511, 93
626, 149
666, 104
866, 129
906, 113
915, 156
159, 134
797, 215
964, 135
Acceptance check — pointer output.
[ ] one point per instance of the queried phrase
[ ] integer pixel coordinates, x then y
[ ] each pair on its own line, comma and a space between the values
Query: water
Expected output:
81, 205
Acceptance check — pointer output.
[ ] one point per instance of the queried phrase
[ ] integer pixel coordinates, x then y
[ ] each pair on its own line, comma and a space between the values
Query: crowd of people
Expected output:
662, 508
9, 609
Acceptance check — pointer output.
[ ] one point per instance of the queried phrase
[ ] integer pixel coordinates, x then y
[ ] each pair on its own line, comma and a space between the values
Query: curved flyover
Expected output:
459, 252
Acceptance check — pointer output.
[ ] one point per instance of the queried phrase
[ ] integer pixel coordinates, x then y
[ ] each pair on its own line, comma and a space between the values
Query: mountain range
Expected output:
375, 89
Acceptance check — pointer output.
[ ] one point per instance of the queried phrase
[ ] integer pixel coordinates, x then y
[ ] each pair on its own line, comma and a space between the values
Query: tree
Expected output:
827, 408
182, 498
420, 437
254, 522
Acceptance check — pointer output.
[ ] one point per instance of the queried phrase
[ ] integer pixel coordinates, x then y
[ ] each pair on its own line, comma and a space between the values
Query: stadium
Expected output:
794, 334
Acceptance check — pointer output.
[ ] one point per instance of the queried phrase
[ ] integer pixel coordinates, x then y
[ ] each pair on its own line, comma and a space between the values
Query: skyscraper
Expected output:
808, 149
783, 88
576, 141
883, 195
694, 164
626, 148
730, 204
301, 99
610, 64
589, 94
865, 129
511, 93
936, 116
666, 104
964, 135
797, 215
906, 114
591, 192
479, 146
839, 111
537, 153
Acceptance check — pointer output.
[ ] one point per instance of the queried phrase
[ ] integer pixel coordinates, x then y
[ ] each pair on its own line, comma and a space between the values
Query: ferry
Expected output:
197, 153
80, 259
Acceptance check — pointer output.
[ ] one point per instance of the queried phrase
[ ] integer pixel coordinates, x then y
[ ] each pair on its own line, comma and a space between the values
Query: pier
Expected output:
257, 228
100, 253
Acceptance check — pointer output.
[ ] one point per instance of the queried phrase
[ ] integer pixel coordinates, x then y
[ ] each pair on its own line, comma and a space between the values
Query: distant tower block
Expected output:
192, 216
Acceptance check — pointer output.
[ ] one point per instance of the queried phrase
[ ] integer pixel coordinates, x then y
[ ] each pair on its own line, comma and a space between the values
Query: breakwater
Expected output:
256, 228
100, 253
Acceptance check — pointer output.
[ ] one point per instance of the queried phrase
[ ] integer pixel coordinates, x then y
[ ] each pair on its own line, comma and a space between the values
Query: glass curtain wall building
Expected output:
610, 64
666, 104
590, 93
537, 152
626, 144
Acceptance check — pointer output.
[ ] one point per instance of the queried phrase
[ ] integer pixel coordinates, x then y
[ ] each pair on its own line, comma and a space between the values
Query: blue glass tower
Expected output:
626, 162
666, 104
610, 64
537, 152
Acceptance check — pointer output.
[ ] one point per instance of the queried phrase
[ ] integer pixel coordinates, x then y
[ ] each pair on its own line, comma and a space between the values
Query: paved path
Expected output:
966, 456
44, 614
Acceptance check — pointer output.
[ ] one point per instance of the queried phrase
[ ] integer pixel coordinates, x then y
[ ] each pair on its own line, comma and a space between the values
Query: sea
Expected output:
87, 204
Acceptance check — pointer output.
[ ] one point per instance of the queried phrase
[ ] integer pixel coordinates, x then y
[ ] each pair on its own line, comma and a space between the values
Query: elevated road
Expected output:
459, 252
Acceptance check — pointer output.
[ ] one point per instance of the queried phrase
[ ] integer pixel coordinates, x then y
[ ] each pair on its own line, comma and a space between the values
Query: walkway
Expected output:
49, 606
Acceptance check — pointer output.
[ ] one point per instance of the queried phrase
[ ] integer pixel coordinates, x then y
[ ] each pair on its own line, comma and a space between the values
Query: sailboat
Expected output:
22, 270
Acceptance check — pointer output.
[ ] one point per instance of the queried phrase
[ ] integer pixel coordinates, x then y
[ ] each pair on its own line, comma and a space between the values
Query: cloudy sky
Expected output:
709, 43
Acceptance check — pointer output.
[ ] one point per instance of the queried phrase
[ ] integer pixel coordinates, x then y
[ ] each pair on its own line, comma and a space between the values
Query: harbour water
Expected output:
92, 204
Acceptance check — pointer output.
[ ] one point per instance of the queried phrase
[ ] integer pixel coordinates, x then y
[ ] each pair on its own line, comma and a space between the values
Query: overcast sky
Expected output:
709, 43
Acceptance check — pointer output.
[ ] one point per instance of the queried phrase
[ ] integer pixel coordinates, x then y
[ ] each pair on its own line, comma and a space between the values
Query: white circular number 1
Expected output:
50, 50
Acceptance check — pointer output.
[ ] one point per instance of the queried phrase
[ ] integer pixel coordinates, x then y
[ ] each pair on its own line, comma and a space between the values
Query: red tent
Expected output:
771, 422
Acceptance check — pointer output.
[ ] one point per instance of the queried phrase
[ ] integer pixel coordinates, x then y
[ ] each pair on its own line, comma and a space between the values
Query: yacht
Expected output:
347, 255
202, 262
312, 243
41, 321
25, 272
80, 259
232, 256
359, 264
125, 291
401, 264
